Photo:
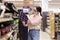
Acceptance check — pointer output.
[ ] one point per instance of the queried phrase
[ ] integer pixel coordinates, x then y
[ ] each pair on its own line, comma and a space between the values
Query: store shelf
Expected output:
15, 17
15, 36
59, 19
15, 26
48, 21
5, 19
5, 37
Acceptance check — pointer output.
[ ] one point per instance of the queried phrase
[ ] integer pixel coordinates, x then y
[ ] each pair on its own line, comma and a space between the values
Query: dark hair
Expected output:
39, 9
0, 1
5, 3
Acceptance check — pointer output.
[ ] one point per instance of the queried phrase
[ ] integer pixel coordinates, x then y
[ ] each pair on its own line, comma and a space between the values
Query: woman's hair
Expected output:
5, 3
39, 9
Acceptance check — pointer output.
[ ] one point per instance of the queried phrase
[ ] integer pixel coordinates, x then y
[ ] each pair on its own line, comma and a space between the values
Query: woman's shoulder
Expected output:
40, 16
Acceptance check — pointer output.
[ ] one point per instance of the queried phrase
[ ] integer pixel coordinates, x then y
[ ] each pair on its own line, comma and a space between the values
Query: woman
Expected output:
23, 29
33, 24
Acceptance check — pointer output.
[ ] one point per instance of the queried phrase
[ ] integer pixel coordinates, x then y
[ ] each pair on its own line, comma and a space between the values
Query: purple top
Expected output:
23, 17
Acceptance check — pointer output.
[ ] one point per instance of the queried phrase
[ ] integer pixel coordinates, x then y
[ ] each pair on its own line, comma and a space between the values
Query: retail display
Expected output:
8, 15
48, 23
57, 21
44, 20
8, 27
57, 26
4, 28
52, 23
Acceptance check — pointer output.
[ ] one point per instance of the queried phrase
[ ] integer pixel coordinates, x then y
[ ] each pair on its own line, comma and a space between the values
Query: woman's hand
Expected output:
29, 23
24, 23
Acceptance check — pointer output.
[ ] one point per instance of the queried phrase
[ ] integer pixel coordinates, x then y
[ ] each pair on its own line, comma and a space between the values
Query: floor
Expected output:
44, 36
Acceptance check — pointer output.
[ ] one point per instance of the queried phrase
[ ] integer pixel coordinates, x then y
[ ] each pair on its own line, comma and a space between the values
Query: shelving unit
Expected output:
5, 19
49, 23
53, 23
5, 37
57, 25
8, 35
13, 29
48, 29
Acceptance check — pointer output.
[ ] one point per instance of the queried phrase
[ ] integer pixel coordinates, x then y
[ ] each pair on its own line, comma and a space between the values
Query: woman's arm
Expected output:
35, 22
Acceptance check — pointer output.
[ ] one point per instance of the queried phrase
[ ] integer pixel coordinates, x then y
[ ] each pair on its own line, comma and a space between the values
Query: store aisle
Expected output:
44, 36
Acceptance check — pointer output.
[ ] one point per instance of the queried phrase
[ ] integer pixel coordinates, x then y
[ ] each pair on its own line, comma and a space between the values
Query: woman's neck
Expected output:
35, 15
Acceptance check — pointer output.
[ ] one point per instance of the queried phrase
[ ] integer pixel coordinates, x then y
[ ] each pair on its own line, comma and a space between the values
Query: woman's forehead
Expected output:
34, 8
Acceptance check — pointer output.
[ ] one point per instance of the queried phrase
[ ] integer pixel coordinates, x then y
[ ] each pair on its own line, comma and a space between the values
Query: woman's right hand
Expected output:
24, 23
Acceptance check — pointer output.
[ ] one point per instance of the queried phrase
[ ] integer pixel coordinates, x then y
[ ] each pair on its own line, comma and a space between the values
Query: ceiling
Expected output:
54, 3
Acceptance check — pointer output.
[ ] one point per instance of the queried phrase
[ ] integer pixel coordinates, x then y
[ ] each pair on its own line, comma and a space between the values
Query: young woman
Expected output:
33, 24
23, 29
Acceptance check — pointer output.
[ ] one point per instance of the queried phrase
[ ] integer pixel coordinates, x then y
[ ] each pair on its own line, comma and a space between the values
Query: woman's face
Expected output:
35, 11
